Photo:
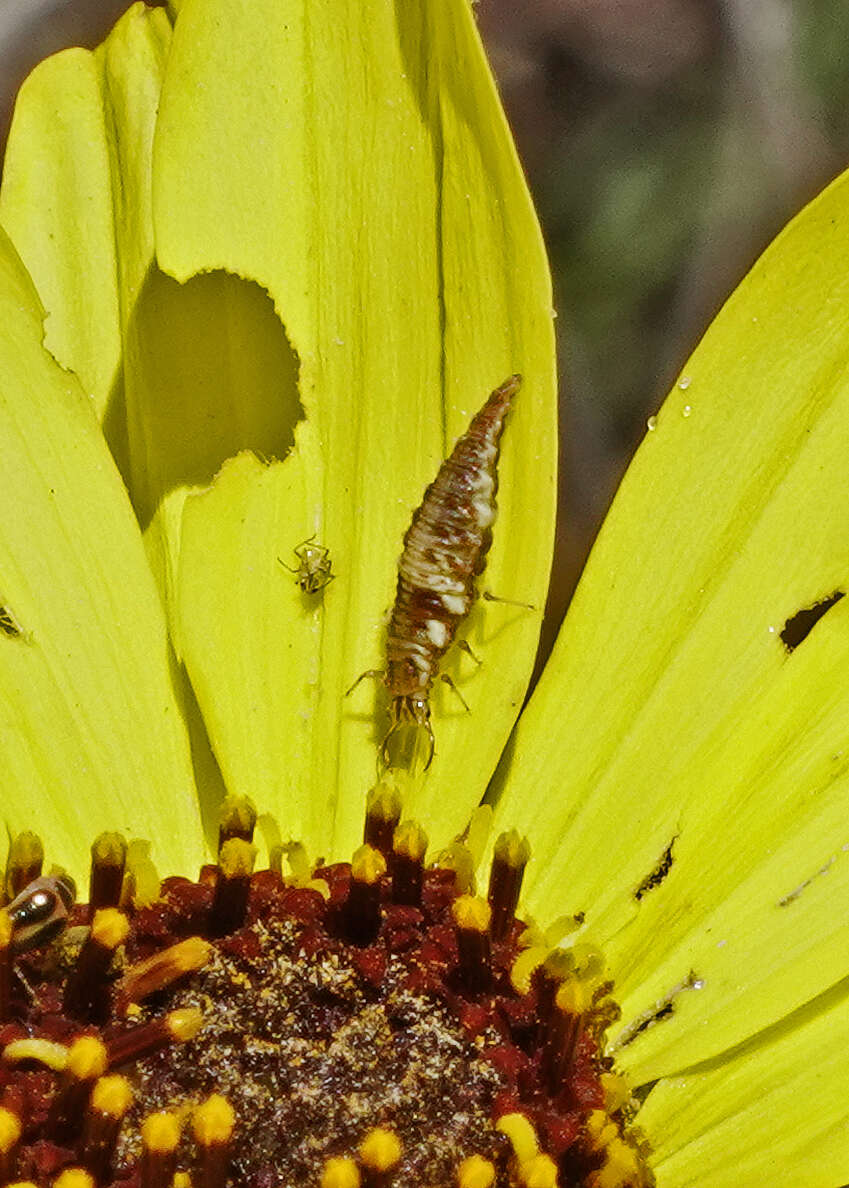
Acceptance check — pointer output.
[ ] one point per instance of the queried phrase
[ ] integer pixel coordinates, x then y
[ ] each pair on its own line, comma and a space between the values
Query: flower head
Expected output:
284, 251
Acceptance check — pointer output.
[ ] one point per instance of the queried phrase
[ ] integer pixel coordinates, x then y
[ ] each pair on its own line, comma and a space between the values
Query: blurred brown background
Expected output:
665, 141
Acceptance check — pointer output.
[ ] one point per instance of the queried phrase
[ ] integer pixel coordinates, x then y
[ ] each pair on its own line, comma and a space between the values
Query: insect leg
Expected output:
443, 676
507, 601
376, 674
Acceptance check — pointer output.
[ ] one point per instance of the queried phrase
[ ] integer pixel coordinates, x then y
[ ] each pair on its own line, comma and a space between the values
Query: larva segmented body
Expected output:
445, 551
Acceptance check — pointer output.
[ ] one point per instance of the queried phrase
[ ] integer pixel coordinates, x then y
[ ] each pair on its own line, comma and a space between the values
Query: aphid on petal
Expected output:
41, 911
313, 571
445, 551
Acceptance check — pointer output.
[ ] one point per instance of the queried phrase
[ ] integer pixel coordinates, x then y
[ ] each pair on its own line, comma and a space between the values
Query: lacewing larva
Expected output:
314, 568
444, 553
41, 911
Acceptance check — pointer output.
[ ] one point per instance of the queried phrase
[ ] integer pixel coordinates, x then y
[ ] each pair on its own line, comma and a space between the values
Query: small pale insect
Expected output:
313, 571
41, 910
445, 551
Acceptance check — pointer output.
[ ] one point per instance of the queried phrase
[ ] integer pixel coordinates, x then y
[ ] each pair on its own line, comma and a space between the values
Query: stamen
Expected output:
24, 862
213, 1125
42, 1051
162, 969
511, 855
108, 863
383, 812
476, 1172
472, 917
571, 1004
87, 1060
6, 934
361, 911
232, 887
86, 990
380, 1152
409, 846
110, 1100
521, 1134
340, 1172
160, 1135
177, 1027
10, 1135
237, 818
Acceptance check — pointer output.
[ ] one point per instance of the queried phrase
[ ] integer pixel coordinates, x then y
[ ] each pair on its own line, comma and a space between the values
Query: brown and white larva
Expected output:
445, 551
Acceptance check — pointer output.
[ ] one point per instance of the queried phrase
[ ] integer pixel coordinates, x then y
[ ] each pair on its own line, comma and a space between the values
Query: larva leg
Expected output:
464, 646
488, 597
376, 674
443, 676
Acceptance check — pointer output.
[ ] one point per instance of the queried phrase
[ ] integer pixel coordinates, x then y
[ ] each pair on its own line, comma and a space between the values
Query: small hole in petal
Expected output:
799, 626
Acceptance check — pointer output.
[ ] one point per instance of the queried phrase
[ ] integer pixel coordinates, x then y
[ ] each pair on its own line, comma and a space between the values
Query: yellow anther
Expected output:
87, 1058
74, 1177
410, 841
213, 1121
109, 849
236, 859
161, 1133
600, 1130
181, 1180
380, 1150
340, 1172
574, 997
475, 1172
6, 929
522, 1136
109, 928
367, 865
539, 1172
184, 1024
10, 1130
237, 816
458, 857
512, 849
112, 1096
383, 801
471, 913
46, 1052
525, 966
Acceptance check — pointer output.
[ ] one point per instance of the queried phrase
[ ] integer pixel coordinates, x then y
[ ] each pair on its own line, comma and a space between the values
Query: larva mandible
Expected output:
444, 553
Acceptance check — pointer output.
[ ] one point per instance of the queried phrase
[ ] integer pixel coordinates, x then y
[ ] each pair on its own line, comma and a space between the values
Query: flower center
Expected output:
370, 1023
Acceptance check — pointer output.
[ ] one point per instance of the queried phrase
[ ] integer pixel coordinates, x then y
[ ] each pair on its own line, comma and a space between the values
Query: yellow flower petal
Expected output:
92, 734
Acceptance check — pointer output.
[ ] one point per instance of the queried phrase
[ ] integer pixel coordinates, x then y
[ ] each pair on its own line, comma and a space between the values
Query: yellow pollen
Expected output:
471, 913
340, 1172
522, 1136
512, 848
184, 1024
112, 1096
616, 1092
236, 859
74, 1177
6, 929
476, 1172
46, 1052
237, 815
410, 841
621, 1169
21, 1184
384, 802
213, 1121
87, 1058
181, 1180
109, 849
367, 865
539, 1172
10, 1130
161, 1133
524, 967
600, 1130
380, 1150
109, 928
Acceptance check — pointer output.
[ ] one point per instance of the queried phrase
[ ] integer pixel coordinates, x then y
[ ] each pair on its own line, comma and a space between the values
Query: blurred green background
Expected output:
665, 142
